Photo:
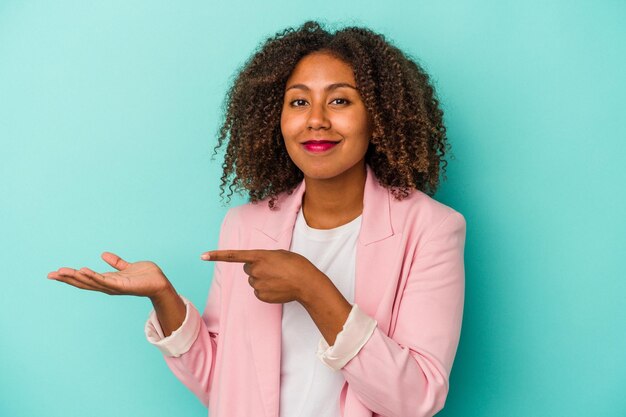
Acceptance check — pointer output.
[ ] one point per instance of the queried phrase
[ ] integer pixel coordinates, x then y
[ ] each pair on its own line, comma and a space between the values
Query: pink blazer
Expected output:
409, 277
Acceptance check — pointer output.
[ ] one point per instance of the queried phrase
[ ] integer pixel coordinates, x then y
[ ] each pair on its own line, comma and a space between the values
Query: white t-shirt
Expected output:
309, 388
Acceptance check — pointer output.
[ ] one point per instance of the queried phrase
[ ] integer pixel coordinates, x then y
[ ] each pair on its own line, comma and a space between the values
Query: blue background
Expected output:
108, 117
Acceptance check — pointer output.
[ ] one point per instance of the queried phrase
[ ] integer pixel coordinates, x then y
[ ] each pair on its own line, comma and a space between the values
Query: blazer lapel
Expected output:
265, 319
378, 253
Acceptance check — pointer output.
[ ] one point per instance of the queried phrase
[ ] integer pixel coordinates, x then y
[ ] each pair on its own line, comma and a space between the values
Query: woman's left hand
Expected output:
277, 276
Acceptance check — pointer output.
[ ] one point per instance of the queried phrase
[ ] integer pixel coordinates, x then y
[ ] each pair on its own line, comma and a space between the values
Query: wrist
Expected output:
315, 289
166, 293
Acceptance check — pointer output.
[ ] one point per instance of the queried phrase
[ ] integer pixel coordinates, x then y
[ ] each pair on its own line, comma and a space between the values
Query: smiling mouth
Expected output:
319, 146
315, 142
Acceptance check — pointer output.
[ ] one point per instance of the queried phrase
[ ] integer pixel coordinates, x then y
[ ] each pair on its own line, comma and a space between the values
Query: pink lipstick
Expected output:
319, 146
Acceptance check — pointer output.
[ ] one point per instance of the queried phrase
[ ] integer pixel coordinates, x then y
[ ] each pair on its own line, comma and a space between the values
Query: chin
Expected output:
318, 173
323, 173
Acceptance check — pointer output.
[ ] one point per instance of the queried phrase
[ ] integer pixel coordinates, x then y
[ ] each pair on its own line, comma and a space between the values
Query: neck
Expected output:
330, 203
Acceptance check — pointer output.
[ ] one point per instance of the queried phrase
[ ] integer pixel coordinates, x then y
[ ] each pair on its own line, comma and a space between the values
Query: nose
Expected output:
317, 117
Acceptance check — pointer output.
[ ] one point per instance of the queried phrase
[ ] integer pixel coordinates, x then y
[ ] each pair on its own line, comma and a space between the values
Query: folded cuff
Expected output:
181, 339
356, 331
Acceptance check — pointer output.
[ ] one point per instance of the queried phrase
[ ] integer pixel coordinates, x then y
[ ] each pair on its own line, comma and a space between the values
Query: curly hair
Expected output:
408, 142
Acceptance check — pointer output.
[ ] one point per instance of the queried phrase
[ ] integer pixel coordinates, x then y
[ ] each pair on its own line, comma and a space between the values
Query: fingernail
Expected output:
205, 256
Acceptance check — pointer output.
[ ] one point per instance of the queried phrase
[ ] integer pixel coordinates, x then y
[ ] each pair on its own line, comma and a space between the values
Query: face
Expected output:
322, 104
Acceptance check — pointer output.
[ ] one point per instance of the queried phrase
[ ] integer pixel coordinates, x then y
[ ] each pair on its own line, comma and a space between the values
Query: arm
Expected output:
406, 373
327, 306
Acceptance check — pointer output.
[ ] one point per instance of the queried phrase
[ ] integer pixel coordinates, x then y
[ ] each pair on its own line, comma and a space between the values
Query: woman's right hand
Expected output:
143, 278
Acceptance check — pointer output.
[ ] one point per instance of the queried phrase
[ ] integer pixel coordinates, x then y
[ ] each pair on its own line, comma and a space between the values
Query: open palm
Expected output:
143, 278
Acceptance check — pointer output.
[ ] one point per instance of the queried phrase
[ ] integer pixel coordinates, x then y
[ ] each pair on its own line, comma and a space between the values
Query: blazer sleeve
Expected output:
195, 368
406, 373
181, 339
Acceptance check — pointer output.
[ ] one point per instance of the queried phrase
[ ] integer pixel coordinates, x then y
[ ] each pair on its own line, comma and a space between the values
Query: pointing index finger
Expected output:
229, 255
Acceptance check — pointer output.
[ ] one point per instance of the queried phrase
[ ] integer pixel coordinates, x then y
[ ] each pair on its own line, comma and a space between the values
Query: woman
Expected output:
339, 288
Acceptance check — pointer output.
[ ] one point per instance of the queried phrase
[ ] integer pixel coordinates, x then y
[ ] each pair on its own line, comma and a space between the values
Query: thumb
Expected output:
114, 260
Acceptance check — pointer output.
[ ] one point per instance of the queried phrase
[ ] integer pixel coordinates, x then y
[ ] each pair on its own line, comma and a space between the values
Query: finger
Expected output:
78, 280
103, 280
232, 255
79, 276
86, 279
114, 260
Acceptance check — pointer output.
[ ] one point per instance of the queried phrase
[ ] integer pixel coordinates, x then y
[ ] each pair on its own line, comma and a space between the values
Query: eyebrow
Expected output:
327, 88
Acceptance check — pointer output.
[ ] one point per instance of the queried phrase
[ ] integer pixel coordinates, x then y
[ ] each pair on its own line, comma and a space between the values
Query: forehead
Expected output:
321, 68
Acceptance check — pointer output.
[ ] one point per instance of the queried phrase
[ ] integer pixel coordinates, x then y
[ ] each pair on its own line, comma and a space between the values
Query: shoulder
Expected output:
421, 215
248, 214
239, 221
419, 203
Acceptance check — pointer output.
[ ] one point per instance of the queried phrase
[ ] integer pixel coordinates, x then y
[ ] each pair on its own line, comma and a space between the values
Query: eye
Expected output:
296, 100
300, 102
